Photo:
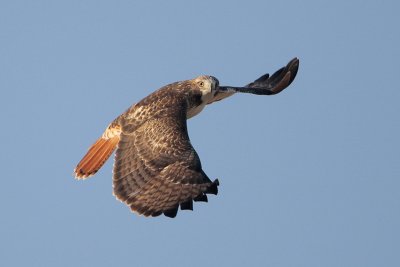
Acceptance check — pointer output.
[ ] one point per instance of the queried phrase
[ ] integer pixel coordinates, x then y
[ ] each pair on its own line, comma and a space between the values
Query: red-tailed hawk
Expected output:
156, 169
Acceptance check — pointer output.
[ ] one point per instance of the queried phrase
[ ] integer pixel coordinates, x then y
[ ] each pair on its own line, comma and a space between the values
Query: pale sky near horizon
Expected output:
309, 177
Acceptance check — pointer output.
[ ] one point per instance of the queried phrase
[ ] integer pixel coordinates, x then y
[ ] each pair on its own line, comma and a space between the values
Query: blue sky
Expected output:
309, 177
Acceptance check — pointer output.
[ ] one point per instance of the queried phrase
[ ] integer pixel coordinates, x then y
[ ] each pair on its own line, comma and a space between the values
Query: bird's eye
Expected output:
201, 84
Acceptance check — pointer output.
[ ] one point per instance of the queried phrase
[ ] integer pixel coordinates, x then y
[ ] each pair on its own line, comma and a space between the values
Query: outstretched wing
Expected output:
156, 169
265, 85
282, 78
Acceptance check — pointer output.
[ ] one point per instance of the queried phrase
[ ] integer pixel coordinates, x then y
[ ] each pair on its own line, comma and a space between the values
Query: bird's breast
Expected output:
197, 103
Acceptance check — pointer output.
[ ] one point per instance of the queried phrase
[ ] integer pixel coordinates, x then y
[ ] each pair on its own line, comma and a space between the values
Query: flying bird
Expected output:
156, 169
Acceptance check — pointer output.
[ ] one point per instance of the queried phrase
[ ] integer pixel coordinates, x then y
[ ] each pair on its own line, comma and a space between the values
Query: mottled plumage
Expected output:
156, 169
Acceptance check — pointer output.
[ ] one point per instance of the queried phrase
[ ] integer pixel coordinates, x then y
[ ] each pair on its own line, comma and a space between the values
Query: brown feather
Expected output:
97, 155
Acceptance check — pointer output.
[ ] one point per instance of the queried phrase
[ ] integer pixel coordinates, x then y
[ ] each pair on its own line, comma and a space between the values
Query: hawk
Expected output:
156, 169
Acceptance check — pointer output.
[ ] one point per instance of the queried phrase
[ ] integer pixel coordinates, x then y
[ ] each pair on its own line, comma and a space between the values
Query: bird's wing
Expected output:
266, 85
274, 84
156, 169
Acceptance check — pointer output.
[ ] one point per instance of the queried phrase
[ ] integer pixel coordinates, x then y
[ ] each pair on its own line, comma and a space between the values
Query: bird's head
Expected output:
208, 85
203, 88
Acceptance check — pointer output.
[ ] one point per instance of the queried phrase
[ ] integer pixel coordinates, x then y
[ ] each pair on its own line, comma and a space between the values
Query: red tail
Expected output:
97, 155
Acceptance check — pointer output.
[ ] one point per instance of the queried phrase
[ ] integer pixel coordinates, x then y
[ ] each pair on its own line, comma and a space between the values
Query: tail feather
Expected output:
97, 155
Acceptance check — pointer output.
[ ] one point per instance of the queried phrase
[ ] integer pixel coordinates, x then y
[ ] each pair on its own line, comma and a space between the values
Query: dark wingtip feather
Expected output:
171, 212
293, 67
157, 213
188, 205
262, 78
201, 198
213, 188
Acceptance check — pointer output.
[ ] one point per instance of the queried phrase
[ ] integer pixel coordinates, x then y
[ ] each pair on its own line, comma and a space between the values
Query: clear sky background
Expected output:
309, 177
